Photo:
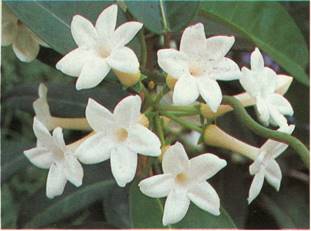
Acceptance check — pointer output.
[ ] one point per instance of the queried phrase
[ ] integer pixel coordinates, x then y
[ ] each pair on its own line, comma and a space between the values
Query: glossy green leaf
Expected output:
163, 16
147, 212
270, 27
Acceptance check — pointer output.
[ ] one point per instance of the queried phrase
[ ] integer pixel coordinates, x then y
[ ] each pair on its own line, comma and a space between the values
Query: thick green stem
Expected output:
182, 122
194, 108
260, 130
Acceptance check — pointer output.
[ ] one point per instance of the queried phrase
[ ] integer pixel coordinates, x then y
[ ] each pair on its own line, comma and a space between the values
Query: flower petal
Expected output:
262, 110
173, 62
218, 46
185, 91
205, 166
59, 138
8, 32
277, 117
268, 81
124, 60
210, 92
73, 169
257, 62
123, 165
95, 149
249, 82
92, 73
273, 174
40, 157
281, 104
83, 32
42, 134
205, 197
142, 140
176, 207
175, 159
157, 186
125, 33
225, 69
56, 181
256, 186
106, 21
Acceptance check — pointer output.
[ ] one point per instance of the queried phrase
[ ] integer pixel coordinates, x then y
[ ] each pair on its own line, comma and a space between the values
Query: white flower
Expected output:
25, 43
197, 65
100, 48
182, 181
261, 83
265, 165
119, 136
51, 153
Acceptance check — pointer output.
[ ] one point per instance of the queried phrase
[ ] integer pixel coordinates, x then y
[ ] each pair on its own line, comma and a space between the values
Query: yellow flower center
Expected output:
195, 71
103, 52
181, 178
121, 134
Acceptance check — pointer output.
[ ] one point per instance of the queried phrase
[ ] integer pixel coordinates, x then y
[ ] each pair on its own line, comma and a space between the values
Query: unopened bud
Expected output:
170, 82
151, 85
207, 112
127, 79
163, 150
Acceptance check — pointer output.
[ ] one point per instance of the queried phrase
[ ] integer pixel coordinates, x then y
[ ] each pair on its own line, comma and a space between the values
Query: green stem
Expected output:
159, 128
182, 122
181, 113
179, 108
143, 47
260, 130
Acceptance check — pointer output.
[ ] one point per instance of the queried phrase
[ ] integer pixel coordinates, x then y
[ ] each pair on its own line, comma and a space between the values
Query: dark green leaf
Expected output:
270, 27
8, 208
163, 16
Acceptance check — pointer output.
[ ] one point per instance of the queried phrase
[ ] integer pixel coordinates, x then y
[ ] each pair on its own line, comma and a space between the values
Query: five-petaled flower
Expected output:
119, 136
52, 153
182, 181
101, 48
197, 65
261, 83
265, 165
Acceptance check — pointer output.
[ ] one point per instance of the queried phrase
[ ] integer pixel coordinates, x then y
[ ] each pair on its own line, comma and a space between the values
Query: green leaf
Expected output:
163, 16
270, 27
8, 208
147, 212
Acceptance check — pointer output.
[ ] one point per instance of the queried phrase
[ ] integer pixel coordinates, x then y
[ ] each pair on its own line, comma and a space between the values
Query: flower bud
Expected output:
127, 79
170, 82
206, 111
163, 150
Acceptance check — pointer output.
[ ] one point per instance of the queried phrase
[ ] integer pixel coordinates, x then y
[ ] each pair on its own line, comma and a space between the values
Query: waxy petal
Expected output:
257, 62
277, 117
59, 138
249, 82
185, 91
281, 104
256, 185
262, 110
225, 69
106, 21
210, 92
175, 159
273, 174
40, 157
43, 135
56, 181
218, 46
157, 186
83, 32
73, 170
124, 60
125, 33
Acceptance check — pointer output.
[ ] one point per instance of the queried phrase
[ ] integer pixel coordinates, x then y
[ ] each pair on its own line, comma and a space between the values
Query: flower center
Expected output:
195, 71
103, 52
181, 178
121, 134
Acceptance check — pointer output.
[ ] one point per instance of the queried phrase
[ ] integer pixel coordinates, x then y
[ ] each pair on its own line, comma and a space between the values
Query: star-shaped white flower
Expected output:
265, 165
100, 48
119, 137
261, 83
197, 65
26, 44
182, 181
51, 153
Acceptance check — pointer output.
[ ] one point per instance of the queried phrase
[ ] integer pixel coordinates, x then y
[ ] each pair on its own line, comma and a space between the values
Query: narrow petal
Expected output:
273, 174
262, 111
123, 165
277, 117
98, 117
283, 83
257, 62
249, 82
72, 63
59, 138
73, 170
225, 69
95, 149
173, 62
123, 60
56, 181
83, 32
125, 33
143, 141
176, 207
92, 73
185, 91
205, 166
157, 186
218, 46
175, 159
106, 21
40, 157
210, 92
281, 104
256, 186
205, 197
268, 81
42, 133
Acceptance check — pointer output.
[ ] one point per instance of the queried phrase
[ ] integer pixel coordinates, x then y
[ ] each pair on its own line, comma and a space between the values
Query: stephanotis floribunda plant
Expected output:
141, 135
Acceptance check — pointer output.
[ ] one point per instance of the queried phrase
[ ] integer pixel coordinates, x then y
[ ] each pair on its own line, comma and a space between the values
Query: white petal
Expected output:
268, 81
106, 21
59, 138
281, 104
8, 32
176, 207
205, 166
42, 134
219, 46
273, 174
92, 73
25, 46
175, 159
127, 111
98, 117
225, 69
283, 83
42, 111
185, 91
83, 32
143, 141
124, 60
73, 170
40, 157
257, 62
173, 62
205, 197
256, 186
157, 186
56, 181
72, 63
95, 149
277, 117
123, 165
262, 111
125, 33
249, 82
210, 92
